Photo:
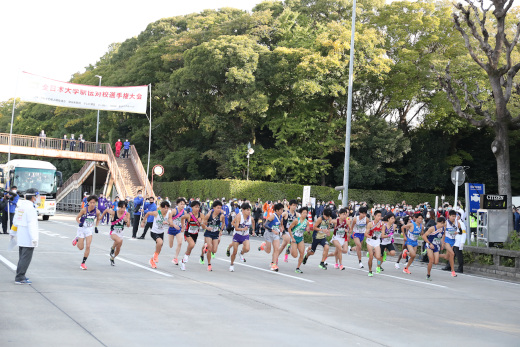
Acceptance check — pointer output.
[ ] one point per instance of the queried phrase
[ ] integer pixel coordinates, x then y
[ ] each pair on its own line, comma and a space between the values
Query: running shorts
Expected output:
412, 243
157, 236
120, 234
240, 238
389, 247
173, 231
360, 236
373, 243
298, 239
84, 232
214, 235
436, 249
270, 236
449, 241
193, 236
340, 239
323, 242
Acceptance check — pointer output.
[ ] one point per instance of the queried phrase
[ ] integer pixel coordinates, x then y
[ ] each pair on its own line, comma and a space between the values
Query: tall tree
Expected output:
494, 55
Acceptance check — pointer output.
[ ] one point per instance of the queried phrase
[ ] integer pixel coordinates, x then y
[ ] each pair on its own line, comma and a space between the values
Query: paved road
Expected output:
132, 305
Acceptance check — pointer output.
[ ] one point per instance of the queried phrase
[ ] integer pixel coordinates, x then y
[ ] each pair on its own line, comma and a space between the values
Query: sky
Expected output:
56, 38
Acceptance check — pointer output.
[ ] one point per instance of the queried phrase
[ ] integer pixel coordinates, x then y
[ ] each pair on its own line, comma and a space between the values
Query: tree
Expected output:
488, 106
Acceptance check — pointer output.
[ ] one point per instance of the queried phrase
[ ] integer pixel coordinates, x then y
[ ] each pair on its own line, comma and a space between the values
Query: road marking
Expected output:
269, 271
8, 263
399, 278
143, 267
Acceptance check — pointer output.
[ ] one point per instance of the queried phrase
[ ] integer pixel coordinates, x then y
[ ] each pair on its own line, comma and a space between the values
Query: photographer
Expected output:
10, 200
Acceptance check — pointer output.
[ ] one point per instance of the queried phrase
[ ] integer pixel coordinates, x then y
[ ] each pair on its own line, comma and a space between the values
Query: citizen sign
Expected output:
494, 197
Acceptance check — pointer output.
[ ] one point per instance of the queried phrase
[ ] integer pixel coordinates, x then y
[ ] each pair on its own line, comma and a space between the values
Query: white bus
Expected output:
26, 174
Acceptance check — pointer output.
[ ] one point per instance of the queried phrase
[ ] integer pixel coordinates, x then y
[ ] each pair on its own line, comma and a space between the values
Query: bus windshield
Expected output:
44, 180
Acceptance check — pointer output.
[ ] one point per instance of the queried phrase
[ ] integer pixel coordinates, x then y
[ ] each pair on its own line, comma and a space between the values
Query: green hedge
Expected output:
253, 190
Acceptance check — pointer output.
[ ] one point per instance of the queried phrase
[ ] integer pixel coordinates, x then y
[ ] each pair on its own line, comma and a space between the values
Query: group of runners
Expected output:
284, 234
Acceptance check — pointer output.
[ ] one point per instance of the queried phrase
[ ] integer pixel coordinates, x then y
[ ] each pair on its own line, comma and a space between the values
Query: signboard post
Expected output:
473, 193
306, 195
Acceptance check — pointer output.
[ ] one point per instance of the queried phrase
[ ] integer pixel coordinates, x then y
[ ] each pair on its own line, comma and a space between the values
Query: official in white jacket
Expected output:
26, 225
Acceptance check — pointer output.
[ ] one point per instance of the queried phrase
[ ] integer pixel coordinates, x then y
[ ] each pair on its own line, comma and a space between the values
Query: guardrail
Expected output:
141, 172
53, 143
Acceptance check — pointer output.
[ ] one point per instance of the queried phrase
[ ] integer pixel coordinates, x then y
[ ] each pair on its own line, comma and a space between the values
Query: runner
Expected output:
387, 238
273, 226
411, 233
296, 229
192, 225
86, 218
359, 225
161, 218
288, 217
213, 223
119, 219
341, 227
373, 235
243, 224
174, 232
452, 229
322, 228
434, 238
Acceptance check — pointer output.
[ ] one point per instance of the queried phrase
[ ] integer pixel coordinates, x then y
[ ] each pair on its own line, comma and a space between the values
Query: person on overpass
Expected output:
119, 144
126, 147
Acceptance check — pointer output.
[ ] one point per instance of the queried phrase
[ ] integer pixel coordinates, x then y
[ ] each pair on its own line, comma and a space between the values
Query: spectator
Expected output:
64, 143
102, 206
81, 141
119, 144
10, 200
151, 206
257, 215
42, 139
72, 142
138, 207
517, 221
127, 148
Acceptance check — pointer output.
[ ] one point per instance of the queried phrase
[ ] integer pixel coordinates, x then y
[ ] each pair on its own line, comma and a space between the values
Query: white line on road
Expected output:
8, 263
399, 278
143, 267
269, 271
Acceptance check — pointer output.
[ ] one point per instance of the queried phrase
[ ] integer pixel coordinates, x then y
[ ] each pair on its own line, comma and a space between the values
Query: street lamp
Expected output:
249, 152
97, 136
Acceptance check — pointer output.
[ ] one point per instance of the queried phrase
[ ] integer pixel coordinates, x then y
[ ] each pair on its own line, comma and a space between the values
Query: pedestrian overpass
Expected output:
126, 176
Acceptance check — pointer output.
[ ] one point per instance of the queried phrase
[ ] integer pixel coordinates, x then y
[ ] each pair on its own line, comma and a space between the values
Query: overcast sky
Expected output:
57, 38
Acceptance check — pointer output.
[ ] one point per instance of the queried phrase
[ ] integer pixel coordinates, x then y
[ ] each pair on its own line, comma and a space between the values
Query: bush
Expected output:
253, 190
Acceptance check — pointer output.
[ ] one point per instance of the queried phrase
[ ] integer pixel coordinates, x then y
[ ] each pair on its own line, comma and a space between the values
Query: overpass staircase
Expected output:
127, 175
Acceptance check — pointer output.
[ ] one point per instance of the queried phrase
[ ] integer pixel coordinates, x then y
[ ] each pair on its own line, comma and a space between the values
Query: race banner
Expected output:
42, 90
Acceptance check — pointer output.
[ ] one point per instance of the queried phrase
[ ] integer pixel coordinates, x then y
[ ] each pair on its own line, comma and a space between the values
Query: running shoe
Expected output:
423, 253
201, 260
231, 268
286, 258
406, 271
83, 266
428, 278
75, 241
349, 250
368, 255
25, 281
212, 255
378, 269
288, 250
384, 256
209, 267
341, 267
175, 261
262, 246
305, 259
405, 254
112, 251
453, 274
298, 271
274, 267
323, 266
152, 263
156, 257
381, 268
183, 266
397, 266
336, 266
361, 265
370, 274
112, 260
205, 248
242, 258
228, 253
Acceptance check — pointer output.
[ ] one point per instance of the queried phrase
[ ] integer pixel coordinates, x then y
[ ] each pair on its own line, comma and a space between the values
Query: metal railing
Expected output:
53, 143
141, 172
118, 178
73, 180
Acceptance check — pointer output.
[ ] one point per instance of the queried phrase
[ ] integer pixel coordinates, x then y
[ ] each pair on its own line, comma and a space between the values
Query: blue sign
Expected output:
475, 190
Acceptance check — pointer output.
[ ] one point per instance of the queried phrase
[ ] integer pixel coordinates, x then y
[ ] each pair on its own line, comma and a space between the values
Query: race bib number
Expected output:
118, 228
412, 236
193, 230
340, 232
89, 222
276, 228
377, 234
